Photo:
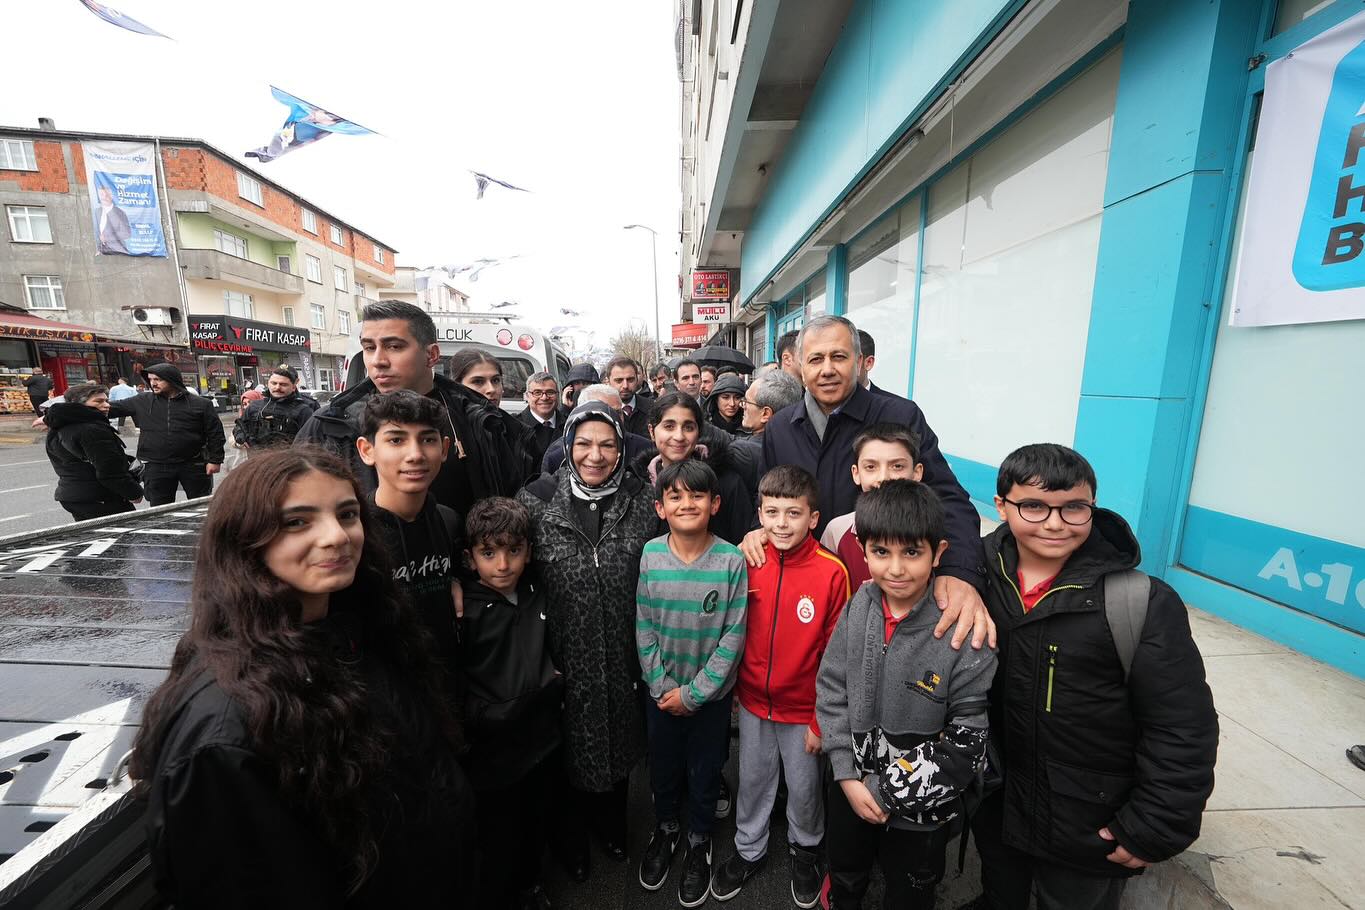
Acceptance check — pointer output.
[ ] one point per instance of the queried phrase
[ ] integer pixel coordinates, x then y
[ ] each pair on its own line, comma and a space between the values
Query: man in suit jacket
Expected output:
623, 375
113, 224
543, 413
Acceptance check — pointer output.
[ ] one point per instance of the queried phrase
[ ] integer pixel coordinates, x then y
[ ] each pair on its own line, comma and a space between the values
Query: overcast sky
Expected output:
575, 101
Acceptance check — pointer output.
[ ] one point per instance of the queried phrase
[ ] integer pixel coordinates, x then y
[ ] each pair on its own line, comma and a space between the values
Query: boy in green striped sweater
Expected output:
689, 627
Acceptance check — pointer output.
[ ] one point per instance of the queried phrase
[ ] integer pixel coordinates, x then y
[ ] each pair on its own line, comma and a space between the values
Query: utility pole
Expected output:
654, 261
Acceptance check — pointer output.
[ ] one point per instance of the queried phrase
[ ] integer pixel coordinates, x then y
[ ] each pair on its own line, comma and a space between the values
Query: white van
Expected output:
521, 349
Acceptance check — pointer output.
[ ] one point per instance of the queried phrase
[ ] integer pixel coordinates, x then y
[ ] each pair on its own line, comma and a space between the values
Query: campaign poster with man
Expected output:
121, 177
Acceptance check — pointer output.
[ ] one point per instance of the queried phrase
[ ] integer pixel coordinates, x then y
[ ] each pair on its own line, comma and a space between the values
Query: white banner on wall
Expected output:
121, 178
1303, 232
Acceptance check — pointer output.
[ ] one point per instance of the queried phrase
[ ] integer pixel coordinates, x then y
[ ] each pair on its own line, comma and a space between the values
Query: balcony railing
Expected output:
220, 266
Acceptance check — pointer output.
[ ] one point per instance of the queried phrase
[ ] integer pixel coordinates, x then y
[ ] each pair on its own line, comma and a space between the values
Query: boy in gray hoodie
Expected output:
903, 715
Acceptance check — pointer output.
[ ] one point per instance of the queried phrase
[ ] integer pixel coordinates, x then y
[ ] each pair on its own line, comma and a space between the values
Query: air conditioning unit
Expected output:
152, 315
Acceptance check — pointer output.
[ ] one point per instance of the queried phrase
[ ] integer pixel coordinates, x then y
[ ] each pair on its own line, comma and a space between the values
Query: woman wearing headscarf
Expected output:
590, 520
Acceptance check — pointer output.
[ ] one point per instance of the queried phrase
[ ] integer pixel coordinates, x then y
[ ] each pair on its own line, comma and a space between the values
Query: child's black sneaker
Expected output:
534, 898
723, 802
807, 878
733, 874
695, 885
658, 857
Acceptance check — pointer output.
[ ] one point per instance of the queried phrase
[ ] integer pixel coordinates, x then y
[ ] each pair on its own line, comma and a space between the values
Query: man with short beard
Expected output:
181, 438
276, 418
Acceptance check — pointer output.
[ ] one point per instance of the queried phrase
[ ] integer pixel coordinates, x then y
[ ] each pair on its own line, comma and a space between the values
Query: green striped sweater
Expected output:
689, 620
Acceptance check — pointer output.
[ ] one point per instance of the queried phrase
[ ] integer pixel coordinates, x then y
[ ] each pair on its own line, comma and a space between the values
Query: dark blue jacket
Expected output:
790, 439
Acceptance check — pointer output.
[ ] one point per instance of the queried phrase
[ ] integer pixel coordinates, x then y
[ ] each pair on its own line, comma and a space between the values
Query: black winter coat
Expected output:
732, 425
1081, 749
737, 509
513, 692
789, 438
273, 421
480, 464
221, 835
591, 614
88, 456
180, 430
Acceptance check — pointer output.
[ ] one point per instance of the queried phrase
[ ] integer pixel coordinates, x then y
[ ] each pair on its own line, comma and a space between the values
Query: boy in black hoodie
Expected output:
401, 439
513, 697
1100, 712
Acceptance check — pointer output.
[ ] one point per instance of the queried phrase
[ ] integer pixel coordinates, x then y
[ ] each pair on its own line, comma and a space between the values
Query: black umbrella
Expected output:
718, 355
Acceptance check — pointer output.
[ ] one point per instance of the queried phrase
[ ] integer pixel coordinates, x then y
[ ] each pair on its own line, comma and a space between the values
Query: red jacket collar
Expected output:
803, 552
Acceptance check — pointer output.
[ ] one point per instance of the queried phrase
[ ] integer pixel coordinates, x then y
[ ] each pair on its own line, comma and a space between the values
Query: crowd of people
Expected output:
430, 643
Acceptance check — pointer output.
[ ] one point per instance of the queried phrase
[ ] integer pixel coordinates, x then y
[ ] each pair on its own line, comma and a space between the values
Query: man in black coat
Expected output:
88, 456
398, 343
38, 386
817, 433
543, 415
180, 437
623, 375
277, 418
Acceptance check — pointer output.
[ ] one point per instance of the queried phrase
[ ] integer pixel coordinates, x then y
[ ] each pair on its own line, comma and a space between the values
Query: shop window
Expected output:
883, 265
313, 265
758, 342
1271, 512
235, 303
17, 155
230, 244
310, 221
319, 316
44, 292
249, 188
29, 224
325, 379
1290, 13
1010, 248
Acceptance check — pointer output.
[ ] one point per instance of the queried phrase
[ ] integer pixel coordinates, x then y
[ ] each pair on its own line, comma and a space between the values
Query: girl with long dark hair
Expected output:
300, 754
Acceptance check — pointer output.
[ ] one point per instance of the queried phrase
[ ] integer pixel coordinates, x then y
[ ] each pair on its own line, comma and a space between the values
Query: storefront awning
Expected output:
22, 325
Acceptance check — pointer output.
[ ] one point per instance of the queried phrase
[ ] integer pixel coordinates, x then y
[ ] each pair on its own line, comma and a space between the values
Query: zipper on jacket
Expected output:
1051, 673
772, 635
1020, 594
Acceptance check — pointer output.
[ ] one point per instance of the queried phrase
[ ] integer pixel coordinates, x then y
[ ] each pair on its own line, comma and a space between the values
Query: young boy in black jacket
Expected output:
1099, 712
512, 703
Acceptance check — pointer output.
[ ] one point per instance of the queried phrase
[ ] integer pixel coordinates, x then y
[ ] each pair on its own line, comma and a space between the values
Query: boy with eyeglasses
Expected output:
1099, 713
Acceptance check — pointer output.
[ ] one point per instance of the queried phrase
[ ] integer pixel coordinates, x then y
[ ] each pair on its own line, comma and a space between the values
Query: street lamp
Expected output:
654, 261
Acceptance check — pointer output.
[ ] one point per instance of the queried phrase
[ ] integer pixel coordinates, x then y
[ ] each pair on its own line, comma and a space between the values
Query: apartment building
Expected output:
254, 275
430, 289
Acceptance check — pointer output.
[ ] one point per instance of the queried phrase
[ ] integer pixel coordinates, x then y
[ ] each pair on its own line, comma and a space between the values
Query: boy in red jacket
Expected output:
795, 597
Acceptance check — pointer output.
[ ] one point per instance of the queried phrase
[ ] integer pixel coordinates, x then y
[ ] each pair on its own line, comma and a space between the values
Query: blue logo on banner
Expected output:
1328, 255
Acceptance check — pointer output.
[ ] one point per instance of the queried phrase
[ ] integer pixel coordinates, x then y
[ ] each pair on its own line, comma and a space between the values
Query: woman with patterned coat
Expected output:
590, 520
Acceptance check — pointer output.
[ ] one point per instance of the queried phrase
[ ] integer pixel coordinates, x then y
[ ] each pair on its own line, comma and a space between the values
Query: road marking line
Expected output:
20, 464
36, 486
17, 517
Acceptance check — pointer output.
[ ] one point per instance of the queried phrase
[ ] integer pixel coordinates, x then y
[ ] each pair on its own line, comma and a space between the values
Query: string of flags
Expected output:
306, 124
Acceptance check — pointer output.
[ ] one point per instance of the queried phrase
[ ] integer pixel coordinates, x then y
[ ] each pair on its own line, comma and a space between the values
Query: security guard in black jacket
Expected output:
276, 419
180, 438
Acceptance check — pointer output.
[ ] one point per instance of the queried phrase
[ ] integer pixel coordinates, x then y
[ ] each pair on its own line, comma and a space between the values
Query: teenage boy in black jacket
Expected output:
512, 705
180, 438
1106, 768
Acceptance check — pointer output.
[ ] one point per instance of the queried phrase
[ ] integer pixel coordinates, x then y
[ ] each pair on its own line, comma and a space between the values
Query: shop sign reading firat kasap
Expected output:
226, 335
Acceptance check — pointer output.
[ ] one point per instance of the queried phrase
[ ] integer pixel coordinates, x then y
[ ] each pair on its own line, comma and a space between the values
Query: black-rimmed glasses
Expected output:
1035, 512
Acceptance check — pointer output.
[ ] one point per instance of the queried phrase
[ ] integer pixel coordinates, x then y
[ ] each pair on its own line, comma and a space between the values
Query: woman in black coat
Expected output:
590, 521
679, 433
88, 456
300, 753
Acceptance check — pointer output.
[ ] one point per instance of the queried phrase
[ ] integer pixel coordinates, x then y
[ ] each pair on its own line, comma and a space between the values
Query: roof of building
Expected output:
38, 133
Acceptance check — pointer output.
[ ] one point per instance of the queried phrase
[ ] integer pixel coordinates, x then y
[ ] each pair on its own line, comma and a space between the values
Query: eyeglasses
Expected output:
1035, 512
546, 393
751, 404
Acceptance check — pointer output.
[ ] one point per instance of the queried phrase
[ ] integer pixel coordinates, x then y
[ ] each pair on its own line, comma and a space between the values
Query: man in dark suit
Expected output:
543, 414
112, 223
623, 375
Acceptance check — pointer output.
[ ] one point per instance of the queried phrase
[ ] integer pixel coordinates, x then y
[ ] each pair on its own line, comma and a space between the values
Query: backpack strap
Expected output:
1125, 608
